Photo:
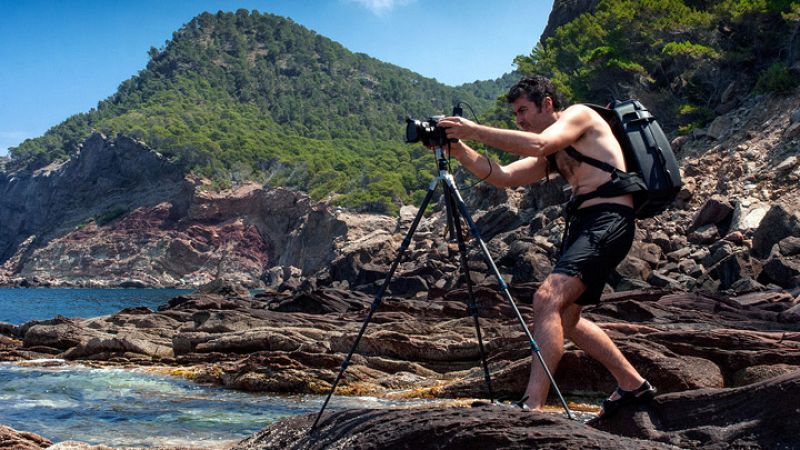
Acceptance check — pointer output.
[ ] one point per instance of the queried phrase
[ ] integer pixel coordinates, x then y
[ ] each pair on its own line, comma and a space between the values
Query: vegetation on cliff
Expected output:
243, 95
689, 59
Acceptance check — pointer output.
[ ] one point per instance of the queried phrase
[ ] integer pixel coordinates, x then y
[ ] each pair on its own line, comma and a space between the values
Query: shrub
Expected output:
777, 78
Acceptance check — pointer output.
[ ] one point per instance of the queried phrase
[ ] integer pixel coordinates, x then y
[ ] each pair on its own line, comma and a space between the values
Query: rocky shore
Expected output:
697, 349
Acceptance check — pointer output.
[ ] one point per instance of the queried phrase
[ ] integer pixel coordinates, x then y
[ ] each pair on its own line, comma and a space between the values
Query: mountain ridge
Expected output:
251, 96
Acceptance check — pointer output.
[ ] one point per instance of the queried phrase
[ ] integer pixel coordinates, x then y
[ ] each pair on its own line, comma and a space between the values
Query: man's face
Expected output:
530, 117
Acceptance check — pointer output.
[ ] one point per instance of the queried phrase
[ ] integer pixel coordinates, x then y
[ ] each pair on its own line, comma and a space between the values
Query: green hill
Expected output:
251, 96
689, 60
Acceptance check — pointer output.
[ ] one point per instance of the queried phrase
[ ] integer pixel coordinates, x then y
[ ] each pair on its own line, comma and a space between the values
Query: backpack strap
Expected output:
591, 161
621, 183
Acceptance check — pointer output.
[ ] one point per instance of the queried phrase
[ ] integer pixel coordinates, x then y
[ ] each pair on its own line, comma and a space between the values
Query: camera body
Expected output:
426, 131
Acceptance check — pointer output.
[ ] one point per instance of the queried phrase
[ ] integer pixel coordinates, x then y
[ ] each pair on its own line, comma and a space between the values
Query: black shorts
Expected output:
597, 239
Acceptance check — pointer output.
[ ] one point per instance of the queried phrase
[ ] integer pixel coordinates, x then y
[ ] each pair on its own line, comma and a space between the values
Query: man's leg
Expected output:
554, 310
595, 342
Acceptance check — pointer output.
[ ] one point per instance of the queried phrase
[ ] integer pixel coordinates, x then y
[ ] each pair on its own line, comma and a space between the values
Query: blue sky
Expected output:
59, 57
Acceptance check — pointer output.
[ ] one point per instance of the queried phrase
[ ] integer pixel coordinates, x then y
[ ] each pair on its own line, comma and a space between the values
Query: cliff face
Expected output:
118, 214
105, 179
563, 12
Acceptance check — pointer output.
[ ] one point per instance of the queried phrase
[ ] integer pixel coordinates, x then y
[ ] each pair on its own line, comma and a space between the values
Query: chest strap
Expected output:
621, 183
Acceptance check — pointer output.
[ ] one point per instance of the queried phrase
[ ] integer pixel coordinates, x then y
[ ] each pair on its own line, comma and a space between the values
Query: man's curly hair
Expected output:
535, 89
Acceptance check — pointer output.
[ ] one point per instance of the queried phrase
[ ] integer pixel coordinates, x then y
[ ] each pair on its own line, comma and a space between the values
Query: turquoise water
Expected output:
130, 408
21, 305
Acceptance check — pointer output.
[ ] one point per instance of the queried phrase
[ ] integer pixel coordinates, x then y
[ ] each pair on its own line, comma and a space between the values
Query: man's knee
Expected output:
546, 302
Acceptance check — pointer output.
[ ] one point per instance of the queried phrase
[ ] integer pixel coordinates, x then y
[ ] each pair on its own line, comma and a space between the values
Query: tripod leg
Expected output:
462, 207
379, 296
472, 306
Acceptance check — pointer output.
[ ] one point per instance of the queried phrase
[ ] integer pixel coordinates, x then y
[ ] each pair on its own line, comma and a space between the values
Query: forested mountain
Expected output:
251, 96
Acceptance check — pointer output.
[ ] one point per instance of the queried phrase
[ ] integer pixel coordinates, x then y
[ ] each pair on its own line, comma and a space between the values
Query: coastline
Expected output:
294, 343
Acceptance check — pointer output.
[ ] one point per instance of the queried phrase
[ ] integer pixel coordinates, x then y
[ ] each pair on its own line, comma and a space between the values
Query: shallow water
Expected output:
132, 408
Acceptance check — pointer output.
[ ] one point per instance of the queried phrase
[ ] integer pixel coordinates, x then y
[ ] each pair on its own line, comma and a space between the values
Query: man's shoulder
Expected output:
582, 111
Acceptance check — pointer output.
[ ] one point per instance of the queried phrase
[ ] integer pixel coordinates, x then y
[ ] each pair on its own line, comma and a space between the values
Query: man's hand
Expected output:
459, 128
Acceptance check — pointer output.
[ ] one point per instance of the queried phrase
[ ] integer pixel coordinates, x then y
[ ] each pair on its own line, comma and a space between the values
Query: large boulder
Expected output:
476, 428
762, 415
777, 224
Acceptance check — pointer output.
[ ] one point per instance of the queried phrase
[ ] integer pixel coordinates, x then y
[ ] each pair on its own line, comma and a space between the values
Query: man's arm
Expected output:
570, 126
525, 171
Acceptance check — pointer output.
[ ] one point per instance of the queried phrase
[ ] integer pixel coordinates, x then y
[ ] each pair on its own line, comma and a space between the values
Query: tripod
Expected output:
454, 205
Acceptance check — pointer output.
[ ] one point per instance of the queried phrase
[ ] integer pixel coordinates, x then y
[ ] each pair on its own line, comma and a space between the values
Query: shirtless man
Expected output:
600, 230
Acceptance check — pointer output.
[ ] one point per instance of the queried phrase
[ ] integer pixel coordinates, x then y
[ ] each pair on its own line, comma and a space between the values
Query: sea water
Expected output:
21, 305
133, 408
130, 408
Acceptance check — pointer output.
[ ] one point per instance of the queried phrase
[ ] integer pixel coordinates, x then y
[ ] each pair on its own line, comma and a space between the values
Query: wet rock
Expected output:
22, 440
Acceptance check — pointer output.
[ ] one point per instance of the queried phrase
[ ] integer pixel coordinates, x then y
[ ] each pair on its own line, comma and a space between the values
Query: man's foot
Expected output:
519, 405
620, 398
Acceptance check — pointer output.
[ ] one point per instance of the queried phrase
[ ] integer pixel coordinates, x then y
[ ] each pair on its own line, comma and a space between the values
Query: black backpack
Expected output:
653, 177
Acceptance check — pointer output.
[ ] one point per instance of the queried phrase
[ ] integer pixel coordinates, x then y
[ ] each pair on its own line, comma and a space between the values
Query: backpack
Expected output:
653, 177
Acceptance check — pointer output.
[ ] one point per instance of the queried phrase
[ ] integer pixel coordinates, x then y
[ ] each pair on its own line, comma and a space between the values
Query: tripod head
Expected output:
441, 160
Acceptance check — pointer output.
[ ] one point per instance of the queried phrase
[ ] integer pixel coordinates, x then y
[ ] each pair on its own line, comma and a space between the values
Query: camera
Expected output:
428, 130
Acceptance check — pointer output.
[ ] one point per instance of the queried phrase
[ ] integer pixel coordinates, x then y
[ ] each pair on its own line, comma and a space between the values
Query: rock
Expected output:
792, 131
678, 142
781, 271
746, 285
406, 217
789, 246
323, 302
527, 262
794, 117
564, 12
498, 220
748, 218
662, 281
224, 288
22, 440
408, 286
650, 253
679, 254
453, 428
759, 415
705, 234
365, 253
634, 268
777, 224
787, 164
714, 211
7, 329
719, 127
757, 374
